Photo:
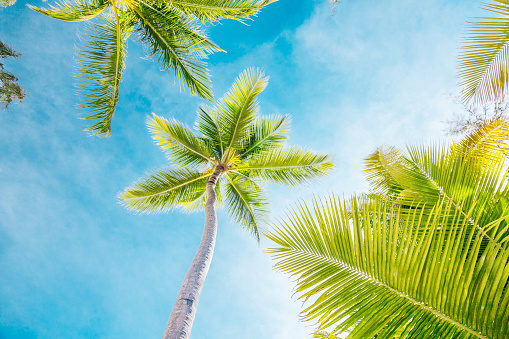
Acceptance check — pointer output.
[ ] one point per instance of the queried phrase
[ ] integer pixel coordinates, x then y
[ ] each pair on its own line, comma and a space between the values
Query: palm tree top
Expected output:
248, 150
171, 31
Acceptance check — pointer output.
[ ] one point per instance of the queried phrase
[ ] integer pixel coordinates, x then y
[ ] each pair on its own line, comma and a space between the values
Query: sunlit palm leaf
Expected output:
179, 142
211, 130
165, 190
288, 166
267, 133
379, 170
178, 43
373, 274
237, 109
80, 10
101, 61
214, 10
484, 63
247, 203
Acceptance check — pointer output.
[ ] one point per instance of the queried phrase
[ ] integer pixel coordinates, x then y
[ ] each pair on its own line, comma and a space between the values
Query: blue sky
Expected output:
75, 264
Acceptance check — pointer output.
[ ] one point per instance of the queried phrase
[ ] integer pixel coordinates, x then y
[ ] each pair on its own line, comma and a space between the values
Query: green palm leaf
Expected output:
211, 130
237, 109
181, 145
79, 11
267, 133
101, 62
372, 274
165, 190
214, 10
483, 65
288, 166
178, 43
247, 203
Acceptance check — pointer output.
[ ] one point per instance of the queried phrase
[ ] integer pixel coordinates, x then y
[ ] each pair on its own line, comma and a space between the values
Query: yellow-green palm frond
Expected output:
178, 43
81, 10
213, 132
290, 166
215, 10
101, 62
374, 272
237, 109
380, 168
181, 145
247, 203
267, 133
484, 62
165, 190
199, 203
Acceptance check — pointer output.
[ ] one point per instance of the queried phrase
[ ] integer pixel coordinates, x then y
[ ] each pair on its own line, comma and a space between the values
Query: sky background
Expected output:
76, 264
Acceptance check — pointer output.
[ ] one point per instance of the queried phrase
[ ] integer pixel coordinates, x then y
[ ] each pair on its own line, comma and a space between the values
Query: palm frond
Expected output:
211, 130
165, 190
484, 62
246, 202
267, 133
379, 168
179, 43
101, 62
288, 166
214, 10
373, 272
237, 109
179, 142
81, 10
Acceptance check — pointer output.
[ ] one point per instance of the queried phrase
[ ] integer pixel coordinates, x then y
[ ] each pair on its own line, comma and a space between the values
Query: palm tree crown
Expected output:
247, 148
170, 30
425, 255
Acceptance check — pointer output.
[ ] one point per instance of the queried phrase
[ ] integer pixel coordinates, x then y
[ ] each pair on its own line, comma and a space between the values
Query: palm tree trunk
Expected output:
182, 316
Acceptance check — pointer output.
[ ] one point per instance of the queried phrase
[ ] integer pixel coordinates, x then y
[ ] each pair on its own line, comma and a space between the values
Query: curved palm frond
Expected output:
484, 63
369, 270
180, 144
237, 109
379, 170
267, 133
288, 166
165, 190
211, 130
101, 62
178, 43
247, 203
81, 10
215, 10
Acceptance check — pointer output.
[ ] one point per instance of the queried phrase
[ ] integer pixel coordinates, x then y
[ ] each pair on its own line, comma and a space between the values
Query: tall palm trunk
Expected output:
184, 310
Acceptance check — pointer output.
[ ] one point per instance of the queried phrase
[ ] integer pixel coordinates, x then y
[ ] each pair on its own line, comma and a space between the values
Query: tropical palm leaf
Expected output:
484, 63
101, 62
80, 10
288, 166
211, 130
180, 144
165, 190
371, 271
247, 203
237, 109
267, 133
199, 203
178, 43
214, 10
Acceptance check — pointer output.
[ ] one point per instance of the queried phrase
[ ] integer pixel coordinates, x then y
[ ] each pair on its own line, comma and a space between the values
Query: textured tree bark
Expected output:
182, 316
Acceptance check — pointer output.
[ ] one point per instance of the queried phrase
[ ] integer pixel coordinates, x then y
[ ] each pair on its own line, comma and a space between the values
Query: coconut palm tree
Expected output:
9, 88
484, 62
234, 151
424, 255
169, 29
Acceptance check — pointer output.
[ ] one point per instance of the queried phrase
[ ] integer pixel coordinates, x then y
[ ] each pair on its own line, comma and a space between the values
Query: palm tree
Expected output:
484, 62
233, 153
170, 31
424, 255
